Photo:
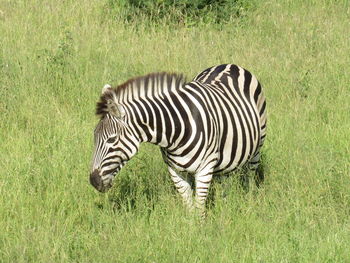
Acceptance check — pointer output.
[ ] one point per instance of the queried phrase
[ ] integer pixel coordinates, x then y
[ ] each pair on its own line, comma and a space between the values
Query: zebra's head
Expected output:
114, 142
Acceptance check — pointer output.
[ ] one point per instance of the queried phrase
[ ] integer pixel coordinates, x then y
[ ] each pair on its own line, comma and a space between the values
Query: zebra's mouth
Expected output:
109, 176
103, 182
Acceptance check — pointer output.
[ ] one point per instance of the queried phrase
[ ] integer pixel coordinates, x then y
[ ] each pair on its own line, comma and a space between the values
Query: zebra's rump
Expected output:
226, 113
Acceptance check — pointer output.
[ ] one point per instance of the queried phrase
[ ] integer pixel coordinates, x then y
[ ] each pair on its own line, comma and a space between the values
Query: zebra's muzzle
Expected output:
96, 181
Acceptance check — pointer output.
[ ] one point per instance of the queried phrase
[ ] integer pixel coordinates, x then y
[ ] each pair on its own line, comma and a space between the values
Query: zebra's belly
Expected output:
186, 163
235, 154
225, 161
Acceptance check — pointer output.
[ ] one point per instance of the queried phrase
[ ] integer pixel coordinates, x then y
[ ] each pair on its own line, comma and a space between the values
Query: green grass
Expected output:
55, 58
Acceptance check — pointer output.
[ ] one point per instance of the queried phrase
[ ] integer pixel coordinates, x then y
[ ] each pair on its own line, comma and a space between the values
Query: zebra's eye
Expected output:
112, 139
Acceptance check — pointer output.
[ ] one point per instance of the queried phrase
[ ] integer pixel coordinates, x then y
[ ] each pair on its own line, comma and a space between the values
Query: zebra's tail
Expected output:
260, 102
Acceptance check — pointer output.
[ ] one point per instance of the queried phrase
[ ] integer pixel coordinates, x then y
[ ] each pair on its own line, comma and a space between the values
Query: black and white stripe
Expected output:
214, 124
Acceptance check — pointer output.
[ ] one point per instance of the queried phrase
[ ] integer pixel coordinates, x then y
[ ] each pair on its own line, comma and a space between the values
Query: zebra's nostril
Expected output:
95, 180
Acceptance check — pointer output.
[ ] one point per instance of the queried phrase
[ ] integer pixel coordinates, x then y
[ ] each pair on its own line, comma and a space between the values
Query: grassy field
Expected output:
56, 56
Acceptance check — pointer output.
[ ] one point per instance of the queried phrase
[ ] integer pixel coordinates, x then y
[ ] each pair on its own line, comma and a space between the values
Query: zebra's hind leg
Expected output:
183, 187
203, 180
245, 178
259, 175
256, 166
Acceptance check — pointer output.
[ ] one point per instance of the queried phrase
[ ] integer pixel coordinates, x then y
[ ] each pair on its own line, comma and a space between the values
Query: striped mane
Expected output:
136, 84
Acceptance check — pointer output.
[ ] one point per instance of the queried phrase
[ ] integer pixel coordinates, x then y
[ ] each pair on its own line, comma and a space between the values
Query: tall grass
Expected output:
55, 58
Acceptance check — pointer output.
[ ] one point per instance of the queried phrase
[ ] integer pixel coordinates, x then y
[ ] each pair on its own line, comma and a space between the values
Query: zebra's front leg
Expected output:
183, 187
203, 180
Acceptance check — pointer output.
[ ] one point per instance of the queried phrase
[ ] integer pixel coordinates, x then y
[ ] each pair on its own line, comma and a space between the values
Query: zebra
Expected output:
209, 126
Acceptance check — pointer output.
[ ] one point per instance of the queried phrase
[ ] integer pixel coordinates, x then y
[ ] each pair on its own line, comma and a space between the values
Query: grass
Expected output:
55, 59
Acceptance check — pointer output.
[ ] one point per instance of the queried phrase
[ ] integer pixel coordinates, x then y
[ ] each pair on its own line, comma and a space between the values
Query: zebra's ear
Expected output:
112, 107
115, 109
106, 88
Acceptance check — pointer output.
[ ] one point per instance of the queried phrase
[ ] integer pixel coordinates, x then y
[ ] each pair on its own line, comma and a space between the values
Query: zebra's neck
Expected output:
149, 107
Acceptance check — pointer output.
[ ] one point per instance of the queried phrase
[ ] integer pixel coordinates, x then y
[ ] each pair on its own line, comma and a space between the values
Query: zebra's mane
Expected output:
137, 84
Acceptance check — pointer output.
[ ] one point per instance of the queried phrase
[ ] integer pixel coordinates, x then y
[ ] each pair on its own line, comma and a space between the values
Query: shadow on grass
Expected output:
242, 181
